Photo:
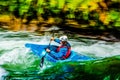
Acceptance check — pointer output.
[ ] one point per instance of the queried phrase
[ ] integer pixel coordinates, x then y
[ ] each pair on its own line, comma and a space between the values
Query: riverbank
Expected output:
110, 35
69, 27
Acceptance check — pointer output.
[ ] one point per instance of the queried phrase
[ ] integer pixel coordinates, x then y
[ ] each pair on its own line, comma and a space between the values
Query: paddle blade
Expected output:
42, 61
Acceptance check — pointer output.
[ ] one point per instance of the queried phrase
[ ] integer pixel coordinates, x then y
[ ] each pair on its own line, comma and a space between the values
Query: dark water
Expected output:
19, 63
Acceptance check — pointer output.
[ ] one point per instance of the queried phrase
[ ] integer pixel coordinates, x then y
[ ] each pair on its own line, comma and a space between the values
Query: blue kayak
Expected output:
39, 50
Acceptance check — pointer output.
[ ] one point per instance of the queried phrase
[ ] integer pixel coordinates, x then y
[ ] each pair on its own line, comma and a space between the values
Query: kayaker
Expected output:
63, 51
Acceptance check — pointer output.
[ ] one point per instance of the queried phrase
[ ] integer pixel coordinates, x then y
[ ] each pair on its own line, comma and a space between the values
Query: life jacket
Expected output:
67, 53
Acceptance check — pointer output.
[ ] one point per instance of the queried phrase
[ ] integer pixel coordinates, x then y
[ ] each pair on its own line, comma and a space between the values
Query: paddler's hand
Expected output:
52, 39
47, 50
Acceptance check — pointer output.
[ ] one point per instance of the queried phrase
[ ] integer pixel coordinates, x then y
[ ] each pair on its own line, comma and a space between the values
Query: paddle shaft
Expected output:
42, 59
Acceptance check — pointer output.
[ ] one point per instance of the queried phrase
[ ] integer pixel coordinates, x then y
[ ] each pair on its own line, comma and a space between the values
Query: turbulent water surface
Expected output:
19, 63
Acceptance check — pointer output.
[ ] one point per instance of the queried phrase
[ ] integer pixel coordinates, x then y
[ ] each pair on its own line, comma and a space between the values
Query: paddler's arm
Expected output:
52, 39
55, 39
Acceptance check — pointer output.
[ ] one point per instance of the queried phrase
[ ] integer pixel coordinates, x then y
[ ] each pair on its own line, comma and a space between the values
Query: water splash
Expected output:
3, 73
14, 55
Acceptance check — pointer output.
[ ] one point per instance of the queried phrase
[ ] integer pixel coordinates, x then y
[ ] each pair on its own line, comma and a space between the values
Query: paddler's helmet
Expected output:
63, 38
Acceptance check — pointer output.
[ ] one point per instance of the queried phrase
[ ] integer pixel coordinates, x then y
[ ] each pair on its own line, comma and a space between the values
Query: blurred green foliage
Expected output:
92, 12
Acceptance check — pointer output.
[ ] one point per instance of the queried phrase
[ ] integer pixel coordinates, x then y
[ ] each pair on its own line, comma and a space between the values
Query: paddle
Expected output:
42, 59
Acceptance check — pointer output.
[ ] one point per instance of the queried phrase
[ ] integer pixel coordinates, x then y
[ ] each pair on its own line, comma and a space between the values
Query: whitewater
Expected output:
16, 57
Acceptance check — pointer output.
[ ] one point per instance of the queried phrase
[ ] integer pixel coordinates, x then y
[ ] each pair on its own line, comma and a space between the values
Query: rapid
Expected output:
18, 62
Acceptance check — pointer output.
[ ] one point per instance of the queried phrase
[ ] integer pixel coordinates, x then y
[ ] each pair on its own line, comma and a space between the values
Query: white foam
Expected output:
3, 73
15, 51
99, 49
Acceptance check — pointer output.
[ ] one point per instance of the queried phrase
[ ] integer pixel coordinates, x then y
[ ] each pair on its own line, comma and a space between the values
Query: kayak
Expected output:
39, 50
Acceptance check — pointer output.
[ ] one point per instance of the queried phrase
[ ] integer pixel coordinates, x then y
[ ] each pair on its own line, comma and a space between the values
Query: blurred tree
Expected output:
97, 14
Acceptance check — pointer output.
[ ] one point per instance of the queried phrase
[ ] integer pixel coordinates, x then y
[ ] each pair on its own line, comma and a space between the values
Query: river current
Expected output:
18, 62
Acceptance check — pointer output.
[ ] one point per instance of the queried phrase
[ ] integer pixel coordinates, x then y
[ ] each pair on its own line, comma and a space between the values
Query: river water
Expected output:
19, 63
